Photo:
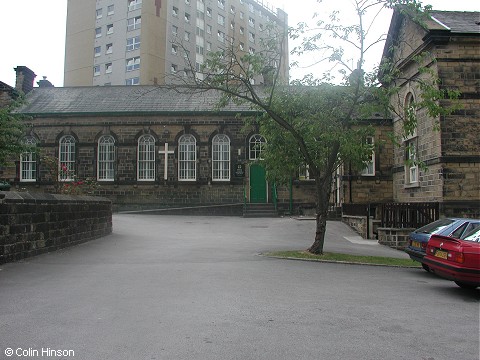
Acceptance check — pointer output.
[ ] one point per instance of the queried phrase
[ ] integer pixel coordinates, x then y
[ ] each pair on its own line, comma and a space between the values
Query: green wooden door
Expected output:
258, 184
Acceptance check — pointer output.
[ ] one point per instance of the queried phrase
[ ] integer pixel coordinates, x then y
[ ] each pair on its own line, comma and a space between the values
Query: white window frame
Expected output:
28, 162
133, 43
97, 51
132, 81
98, 32
108, 68
109, 48
221, 158
134, 5
221, 20
134, 23
411, 146
106, 158
111, 9
109, 29
99, 13
96, 70
187, 158
256, 145
146, 158
132, 64
369, 170
411, 168
66, 158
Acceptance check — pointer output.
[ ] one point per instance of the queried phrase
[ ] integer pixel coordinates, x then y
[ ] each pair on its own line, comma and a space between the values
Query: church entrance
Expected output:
258, 184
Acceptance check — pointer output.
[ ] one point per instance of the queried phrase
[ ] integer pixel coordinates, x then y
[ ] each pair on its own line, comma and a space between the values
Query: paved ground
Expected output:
171, 287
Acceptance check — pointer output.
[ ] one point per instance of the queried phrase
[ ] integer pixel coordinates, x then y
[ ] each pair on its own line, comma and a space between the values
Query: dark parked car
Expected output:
454, 259
452, 227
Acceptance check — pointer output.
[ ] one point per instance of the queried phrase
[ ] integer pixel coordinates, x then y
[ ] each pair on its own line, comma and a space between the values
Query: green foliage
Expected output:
319, 119
76, 186
12, 129
313, 122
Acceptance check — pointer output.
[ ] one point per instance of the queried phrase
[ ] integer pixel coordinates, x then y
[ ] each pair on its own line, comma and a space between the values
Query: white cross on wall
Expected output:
166, 152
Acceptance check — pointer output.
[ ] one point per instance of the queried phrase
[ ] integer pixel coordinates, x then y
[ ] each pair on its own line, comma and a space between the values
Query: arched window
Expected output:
256, 145
221, 158
411, 142
146, 158
66, 158
187, 158
106, 158
28, 162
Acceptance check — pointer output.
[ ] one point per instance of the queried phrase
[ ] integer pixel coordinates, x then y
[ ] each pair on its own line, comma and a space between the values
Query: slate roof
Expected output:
458, 21
461, 23
99, 100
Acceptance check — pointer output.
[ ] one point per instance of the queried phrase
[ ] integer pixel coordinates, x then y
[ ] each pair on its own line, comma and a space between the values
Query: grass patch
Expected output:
335, 257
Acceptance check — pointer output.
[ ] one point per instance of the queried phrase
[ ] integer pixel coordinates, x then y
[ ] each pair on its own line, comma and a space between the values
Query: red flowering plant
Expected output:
65, 180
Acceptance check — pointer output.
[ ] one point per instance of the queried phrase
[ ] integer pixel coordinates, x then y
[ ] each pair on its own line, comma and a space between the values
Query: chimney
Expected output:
44, 83
25, 78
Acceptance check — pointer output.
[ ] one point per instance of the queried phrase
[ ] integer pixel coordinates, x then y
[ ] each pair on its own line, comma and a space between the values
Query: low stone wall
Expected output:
393, 237
35, 223
357, 223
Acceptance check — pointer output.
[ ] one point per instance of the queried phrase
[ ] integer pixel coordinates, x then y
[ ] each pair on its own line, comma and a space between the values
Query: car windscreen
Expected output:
435, 227
473, 235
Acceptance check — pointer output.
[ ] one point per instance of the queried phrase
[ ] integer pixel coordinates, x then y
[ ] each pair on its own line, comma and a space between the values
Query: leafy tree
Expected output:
312, 121
12, 129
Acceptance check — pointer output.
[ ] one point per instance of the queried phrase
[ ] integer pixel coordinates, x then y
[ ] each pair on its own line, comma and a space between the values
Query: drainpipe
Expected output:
350, 182
291, 195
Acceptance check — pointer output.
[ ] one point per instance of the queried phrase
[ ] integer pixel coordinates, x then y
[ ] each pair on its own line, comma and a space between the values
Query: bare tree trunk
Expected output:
323, 189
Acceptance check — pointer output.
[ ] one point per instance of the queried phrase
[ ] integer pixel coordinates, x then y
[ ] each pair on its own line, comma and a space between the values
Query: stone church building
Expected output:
156, 147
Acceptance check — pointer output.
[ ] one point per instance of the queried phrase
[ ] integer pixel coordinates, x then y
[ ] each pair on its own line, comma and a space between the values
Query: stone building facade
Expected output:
149, 148
448, 145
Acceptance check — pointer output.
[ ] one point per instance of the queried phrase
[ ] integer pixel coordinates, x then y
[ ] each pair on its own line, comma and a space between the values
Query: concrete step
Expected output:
259, 210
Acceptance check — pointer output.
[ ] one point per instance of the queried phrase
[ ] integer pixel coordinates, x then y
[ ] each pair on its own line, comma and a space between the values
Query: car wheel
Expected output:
465, 286
425, 267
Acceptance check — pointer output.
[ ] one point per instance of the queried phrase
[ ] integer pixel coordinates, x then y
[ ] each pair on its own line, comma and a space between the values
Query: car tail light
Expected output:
456, 256
424, 245
459, 257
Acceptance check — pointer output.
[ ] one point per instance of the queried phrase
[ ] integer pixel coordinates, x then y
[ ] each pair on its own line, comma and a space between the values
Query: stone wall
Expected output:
394, 238
447, 145
359, 224
35, 223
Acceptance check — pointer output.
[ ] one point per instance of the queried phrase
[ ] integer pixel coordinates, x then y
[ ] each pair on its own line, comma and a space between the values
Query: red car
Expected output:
457, 260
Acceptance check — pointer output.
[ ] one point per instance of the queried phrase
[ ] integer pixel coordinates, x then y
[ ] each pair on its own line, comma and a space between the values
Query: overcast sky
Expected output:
37, 38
